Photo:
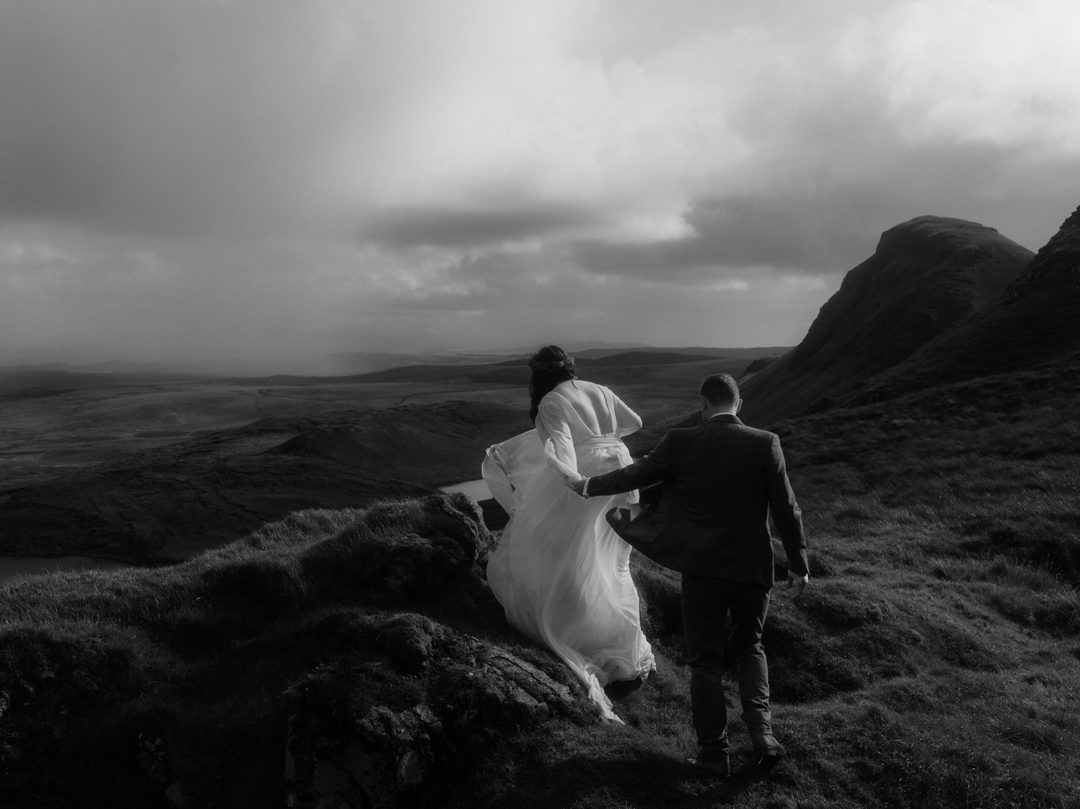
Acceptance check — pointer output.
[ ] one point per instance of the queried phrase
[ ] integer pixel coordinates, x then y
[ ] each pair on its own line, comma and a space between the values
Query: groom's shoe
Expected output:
766, 746
718, 766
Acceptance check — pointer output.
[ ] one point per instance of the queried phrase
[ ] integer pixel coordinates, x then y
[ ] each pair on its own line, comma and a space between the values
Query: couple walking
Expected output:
562, 574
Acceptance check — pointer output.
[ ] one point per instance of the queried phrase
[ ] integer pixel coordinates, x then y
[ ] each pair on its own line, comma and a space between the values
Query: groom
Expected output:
721, 481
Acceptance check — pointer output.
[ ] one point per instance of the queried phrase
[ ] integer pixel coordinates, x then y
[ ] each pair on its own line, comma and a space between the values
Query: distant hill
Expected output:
748, 354
926, 275
651, 358
22, 381
509, 372
1036, 319
348, 363
574, 348
606, 368
165, 504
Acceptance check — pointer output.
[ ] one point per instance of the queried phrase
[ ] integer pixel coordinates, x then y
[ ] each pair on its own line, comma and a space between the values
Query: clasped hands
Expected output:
576, 484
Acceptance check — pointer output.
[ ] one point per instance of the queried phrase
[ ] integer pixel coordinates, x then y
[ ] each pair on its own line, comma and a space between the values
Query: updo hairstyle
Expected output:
550, 366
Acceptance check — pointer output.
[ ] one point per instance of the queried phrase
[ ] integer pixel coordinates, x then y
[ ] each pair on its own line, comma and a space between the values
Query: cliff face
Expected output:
926, 275
1034, 320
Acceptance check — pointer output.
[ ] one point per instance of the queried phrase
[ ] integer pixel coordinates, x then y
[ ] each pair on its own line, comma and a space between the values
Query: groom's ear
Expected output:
738, 407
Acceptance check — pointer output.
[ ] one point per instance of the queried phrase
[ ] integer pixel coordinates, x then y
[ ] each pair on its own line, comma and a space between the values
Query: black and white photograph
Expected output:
516, 404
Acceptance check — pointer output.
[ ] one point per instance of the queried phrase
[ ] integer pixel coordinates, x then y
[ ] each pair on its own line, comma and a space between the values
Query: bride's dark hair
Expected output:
550, 366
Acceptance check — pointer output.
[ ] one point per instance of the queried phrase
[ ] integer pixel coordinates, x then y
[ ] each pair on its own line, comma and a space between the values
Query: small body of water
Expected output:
12, 567
476, 489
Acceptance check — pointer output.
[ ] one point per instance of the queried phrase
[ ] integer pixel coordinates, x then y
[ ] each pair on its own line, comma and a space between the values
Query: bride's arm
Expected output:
493, 471
551, 425
627, 419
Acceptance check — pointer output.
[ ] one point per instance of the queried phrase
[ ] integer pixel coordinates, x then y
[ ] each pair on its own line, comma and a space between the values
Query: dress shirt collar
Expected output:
724, 418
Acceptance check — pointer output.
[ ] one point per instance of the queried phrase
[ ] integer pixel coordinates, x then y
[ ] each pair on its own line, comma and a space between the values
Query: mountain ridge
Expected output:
926, 275
1034, 320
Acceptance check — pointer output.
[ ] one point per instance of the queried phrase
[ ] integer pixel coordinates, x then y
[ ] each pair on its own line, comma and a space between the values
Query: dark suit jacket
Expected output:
720, 482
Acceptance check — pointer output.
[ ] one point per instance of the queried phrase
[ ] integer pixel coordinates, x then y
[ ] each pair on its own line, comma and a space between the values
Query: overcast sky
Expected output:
218, 178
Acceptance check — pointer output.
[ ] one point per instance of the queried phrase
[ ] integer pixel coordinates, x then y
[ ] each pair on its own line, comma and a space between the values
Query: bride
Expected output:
561, 574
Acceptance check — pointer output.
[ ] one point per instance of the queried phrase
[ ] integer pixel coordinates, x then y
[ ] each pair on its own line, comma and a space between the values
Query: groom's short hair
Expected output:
719, 389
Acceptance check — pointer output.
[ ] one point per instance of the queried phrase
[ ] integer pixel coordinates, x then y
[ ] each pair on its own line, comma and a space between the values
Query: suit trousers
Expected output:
706, 603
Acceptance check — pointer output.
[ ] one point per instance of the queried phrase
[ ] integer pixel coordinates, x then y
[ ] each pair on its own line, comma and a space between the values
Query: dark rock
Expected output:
409, 548
759, 364
408, 640
342, 750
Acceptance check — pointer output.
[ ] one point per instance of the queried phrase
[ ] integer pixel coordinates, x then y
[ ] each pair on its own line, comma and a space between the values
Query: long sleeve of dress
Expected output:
508, 467
628, 421
551, 424
496, 476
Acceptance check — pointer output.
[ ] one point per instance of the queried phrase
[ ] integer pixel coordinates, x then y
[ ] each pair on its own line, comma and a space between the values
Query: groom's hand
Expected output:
798, 583
578, 486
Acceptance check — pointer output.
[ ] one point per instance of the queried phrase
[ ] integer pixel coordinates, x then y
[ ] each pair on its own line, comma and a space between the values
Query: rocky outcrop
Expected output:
760, 364
345, 752
926, 275
332, 658
1035, 319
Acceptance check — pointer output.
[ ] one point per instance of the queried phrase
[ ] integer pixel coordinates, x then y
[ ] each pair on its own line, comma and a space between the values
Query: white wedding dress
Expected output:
561, 574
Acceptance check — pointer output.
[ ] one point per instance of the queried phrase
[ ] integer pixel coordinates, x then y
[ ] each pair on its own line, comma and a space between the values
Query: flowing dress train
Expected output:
561, 574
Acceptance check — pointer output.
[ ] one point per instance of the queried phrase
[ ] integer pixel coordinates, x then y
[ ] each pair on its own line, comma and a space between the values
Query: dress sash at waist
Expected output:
599, 442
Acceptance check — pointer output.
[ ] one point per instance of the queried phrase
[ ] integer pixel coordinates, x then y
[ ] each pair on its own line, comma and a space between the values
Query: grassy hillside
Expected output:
934, 662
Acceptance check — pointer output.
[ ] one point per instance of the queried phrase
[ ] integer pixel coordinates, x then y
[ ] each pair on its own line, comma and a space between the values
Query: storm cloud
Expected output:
263, 175
456, 227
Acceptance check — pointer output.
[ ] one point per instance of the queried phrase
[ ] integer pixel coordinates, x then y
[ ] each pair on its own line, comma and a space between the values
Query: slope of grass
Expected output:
934, 661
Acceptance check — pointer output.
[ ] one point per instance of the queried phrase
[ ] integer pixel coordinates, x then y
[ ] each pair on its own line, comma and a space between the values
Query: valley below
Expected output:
152, 471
